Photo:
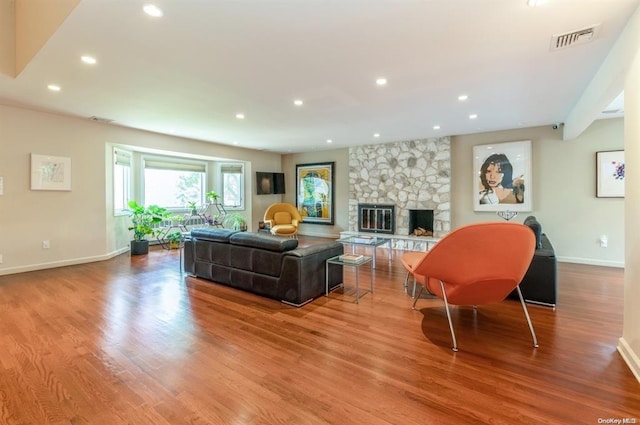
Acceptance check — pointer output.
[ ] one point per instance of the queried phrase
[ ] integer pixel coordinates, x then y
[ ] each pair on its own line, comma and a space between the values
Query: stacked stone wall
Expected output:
410, 175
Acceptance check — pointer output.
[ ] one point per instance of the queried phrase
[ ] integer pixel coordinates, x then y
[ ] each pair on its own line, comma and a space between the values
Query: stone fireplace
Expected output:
411, 175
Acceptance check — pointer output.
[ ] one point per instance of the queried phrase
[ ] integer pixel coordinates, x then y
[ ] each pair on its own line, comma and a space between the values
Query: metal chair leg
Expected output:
526, 314
415, 299
406, 283
446, 305
413, 293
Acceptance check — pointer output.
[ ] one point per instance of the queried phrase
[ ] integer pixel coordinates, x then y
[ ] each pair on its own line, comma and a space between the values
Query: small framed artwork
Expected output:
50, 172
610, 174
502, 177
315, 192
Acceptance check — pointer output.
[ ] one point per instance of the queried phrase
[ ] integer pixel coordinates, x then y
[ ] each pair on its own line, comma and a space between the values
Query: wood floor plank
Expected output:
132, 340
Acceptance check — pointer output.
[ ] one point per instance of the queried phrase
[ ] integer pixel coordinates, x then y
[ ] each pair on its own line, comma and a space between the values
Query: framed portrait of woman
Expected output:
502, 177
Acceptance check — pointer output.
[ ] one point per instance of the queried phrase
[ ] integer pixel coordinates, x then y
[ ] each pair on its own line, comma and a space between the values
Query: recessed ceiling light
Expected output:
329, 141
240, 116
376, 135
88, 59
381, 81
298, 102
152, 10
463, 97
53, 87
436, 127
473, 116
534, 3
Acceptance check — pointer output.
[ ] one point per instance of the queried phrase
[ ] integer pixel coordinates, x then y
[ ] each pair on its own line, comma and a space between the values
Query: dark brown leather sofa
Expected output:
261, 263
540, 283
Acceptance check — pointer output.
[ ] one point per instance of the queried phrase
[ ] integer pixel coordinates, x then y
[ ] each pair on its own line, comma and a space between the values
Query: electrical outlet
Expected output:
603, 241
1, 259
45, 245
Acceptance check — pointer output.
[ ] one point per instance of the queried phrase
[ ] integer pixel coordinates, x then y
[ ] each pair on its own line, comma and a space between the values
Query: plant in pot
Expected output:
143, 223
212, 197
235, 221
174, 239
176, 220
193, 207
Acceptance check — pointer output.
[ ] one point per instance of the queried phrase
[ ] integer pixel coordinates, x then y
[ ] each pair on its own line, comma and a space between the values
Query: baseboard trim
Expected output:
591, 261
62, 263
630, 358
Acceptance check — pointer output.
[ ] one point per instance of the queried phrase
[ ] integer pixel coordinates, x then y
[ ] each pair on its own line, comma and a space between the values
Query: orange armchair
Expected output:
477, 264
409, 261
283, 219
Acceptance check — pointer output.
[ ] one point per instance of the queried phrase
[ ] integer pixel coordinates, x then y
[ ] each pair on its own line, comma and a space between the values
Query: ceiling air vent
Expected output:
585, 35
99, 119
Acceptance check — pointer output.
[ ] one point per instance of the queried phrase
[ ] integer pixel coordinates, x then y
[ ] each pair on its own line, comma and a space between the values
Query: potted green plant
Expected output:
174, 239
212, 197
235, 221
193, 207
144, 222
176, 220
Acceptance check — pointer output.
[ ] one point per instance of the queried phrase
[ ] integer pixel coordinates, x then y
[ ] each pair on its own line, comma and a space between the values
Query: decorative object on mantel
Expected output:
502, 177
506, 214
50, 172
610, 174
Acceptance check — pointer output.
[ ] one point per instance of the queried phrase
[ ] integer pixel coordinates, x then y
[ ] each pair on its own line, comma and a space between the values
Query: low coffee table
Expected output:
372, 241
355, 264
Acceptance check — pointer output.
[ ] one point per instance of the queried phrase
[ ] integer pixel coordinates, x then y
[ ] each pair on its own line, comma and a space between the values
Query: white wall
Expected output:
74, 222
629, 345
564, 184
80, 224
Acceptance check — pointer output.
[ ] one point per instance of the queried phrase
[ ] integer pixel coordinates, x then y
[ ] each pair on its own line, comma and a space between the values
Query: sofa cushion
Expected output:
213, 234
536, 227
263, 241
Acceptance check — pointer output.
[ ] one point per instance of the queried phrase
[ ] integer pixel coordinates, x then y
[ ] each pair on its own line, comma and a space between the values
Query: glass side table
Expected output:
367, 241
355, 264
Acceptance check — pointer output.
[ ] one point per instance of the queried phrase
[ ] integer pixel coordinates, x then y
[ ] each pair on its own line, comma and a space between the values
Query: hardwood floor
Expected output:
133, 341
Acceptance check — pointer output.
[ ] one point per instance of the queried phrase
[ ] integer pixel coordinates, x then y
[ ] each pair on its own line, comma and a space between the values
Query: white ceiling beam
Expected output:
607, 83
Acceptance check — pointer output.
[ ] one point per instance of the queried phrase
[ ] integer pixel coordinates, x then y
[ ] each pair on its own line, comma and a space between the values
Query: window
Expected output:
173, 182
121, 180
232, 185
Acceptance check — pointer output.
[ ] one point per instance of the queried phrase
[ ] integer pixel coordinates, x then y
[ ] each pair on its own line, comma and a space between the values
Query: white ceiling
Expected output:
189, 72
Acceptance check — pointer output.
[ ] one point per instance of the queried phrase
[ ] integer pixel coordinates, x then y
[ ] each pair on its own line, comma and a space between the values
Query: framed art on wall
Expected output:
315, 192
610, 174
50, 172
502, 177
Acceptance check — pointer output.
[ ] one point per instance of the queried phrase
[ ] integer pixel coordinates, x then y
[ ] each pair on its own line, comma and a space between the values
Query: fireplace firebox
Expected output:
377, 218
421, 222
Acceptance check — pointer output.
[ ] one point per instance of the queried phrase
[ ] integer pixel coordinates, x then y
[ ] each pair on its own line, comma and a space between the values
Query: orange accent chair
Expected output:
477, 264
409, 261
283, 219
